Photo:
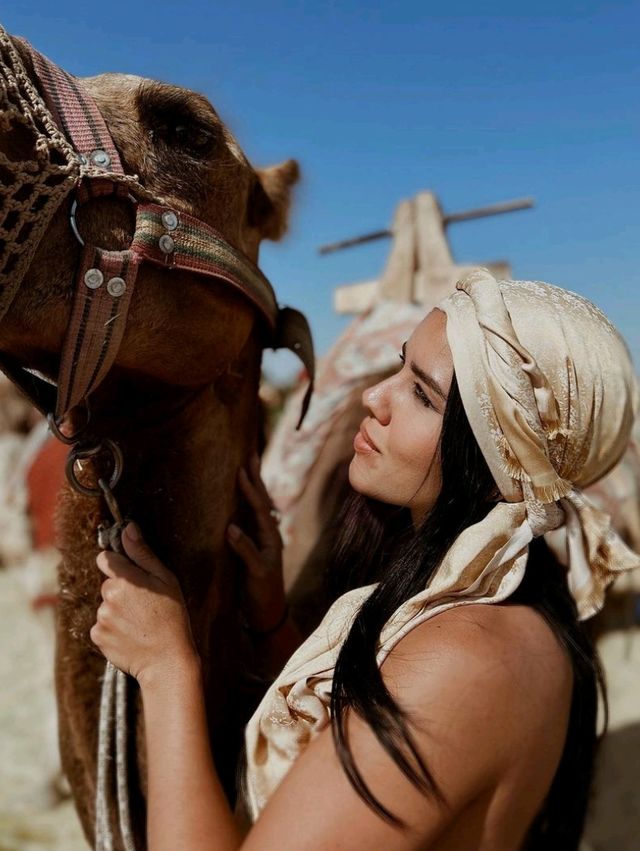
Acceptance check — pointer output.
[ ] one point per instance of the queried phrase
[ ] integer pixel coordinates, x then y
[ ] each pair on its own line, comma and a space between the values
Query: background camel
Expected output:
181, 400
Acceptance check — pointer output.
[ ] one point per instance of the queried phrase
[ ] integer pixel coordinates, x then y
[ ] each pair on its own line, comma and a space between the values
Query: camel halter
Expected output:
73, 152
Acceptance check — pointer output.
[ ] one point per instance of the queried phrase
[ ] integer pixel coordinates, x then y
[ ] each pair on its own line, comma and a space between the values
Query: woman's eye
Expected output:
419, 392
401, 356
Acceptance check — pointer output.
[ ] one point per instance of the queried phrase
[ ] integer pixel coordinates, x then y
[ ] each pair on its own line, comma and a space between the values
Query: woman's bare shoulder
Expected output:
461, 685
499, 669
482, 634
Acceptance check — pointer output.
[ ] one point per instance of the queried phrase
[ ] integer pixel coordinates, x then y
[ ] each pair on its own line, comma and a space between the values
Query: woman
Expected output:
391, 727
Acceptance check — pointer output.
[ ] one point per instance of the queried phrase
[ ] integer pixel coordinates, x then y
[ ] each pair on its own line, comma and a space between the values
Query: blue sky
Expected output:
380, 100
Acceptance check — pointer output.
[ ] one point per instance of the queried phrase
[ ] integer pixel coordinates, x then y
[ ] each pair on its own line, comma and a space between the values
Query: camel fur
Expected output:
181, 400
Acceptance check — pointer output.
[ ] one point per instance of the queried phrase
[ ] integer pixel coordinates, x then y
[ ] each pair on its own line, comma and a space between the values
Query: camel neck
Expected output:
182, 449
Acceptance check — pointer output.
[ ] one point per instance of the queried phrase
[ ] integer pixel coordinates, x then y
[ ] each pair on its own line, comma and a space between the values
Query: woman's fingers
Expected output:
254, 467
263, 563
262, 505
255, 480
141, 554
140, 566
117, 566
256, 497
245, 548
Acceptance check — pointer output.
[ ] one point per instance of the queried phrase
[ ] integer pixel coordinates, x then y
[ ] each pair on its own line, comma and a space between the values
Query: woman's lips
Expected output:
363, 443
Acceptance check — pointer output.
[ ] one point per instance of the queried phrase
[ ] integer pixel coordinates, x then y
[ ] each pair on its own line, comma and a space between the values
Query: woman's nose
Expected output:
376, 400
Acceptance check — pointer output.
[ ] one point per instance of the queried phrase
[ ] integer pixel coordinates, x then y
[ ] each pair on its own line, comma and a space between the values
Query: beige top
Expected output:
549, 390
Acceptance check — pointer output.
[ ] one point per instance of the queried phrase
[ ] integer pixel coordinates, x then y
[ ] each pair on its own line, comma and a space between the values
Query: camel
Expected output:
181, 401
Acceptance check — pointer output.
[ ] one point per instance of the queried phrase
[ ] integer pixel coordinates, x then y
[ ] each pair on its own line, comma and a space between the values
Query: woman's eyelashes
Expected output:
417, 390
422, 396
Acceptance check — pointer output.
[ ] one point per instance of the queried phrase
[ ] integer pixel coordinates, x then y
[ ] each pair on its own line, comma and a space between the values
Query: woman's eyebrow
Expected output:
426, 379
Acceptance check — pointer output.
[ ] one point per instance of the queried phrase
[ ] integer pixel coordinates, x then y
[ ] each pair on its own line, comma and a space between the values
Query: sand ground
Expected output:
32, 819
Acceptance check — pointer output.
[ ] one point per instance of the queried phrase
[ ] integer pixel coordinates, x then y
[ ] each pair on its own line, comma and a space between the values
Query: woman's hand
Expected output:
265, 598
142, 625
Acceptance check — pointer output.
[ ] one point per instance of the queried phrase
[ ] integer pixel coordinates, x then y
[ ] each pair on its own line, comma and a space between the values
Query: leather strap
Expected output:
74, 111
293, 333
97, 324
193, 246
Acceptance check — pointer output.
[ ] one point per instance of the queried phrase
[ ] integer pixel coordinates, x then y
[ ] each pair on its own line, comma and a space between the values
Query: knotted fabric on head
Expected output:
549, 390
548, 387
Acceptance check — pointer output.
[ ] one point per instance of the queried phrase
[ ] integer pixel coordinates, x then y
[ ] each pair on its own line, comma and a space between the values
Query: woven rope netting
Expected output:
38, 169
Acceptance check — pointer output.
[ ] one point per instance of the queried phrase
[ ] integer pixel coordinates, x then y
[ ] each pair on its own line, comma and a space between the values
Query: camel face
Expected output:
182, 329
174, 139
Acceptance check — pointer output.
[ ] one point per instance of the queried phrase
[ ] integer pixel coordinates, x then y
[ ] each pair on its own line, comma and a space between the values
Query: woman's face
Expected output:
396, 456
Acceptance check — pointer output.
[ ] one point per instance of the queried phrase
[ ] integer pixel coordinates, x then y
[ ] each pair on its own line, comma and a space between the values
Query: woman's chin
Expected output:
356, 479
360, 479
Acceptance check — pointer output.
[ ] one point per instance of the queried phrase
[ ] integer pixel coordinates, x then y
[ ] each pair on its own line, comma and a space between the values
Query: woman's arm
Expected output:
186, 807
465, 701
143, 628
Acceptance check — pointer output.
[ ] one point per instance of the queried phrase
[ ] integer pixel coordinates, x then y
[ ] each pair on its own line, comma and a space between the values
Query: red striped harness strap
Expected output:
163, 236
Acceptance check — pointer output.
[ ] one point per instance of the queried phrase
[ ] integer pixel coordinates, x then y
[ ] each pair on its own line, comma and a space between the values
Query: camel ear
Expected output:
270, 199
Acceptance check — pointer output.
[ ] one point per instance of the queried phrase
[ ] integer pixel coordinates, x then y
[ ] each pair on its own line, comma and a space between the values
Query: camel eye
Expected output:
193, 138
180, 122
187, 137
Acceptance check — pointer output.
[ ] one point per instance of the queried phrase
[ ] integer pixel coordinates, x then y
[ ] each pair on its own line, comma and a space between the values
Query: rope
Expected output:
122, 784
113, 725
113, 713
104, 837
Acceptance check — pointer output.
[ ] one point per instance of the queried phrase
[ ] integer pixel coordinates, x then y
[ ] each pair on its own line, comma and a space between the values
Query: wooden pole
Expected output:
357, 240
491, 210
451, 218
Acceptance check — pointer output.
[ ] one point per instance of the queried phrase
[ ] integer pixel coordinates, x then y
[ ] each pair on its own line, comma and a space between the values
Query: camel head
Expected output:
175, 141
182, 329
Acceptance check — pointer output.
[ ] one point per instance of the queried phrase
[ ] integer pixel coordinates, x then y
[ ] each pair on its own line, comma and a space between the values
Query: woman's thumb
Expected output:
140, 553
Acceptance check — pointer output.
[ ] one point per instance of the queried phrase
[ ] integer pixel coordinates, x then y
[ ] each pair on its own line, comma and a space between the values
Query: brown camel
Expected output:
181, 401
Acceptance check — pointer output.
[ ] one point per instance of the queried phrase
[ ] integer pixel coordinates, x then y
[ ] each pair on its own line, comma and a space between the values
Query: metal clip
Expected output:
110, 537
54, 424
81, 453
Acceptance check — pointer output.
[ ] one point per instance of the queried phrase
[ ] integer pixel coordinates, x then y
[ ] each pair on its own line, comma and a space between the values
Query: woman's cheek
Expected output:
404, 470
417, 460
394, 477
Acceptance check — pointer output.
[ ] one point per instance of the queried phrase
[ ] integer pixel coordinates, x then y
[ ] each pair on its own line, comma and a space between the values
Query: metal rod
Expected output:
451, 218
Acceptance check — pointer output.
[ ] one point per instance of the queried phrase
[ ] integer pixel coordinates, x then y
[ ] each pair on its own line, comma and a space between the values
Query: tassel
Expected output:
553, 491
510, 464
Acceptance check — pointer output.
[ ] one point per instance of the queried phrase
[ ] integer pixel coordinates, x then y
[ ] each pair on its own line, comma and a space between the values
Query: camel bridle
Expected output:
105, 280
78, 158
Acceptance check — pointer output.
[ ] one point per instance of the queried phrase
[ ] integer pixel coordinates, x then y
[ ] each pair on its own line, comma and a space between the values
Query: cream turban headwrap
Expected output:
548, 387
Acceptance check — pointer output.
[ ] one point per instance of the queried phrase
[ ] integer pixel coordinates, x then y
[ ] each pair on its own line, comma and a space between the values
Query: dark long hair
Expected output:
377, 543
